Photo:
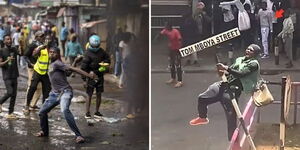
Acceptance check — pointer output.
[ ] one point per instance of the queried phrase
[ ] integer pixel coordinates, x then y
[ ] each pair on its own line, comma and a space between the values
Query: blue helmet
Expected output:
95, 41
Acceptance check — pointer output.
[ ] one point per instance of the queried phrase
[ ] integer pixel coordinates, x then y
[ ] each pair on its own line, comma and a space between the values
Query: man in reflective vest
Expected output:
40, 73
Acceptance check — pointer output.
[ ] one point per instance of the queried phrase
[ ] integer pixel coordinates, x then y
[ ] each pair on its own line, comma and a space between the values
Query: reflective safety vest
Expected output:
42, 64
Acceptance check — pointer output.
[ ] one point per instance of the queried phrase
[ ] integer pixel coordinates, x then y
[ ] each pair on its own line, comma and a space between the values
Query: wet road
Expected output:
129, 134
172, 109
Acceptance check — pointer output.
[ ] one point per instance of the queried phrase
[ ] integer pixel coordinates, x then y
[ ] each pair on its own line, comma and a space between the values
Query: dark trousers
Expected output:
11, 92
46, 86
64, 99
72, 58
175, 64
217, 93
63, 45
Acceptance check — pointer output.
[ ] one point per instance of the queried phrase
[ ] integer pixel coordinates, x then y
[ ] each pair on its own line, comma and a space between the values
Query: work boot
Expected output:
199, 121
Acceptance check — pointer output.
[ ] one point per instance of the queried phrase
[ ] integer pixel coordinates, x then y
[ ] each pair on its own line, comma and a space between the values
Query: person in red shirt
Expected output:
174, 45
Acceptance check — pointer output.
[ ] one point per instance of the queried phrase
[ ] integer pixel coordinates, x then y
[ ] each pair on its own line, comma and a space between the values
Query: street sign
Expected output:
217, 39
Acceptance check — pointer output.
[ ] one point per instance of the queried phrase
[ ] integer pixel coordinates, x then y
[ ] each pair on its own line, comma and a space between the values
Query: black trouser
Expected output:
72, 58
11, 92
175, 63
217, 93
46, 86
63, 44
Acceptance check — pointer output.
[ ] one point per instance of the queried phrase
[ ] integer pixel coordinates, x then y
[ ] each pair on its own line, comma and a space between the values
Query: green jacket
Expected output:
247, 71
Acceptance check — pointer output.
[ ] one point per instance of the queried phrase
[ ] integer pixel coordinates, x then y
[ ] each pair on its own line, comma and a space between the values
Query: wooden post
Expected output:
282, 120
295, 103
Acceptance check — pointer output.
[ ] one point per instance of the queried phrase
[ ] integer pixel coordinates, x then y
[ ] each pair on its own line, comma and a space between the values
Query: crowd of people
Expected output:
36, 47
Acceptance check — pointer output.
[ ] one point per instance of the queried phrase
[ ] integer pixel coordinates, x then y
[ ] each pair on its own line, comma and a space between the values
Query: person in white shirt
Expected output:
124, 46
16, 37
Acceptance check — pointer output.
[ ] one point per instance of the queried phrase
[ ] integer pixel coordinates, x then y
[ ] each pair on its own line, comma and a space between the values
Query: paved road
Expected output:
172, 109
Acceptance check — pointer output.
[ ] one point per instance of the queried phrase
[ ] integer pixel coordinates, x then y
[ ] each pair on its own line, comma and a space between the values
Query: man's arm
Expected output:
246, 71
37, 50
79, 71
236, 73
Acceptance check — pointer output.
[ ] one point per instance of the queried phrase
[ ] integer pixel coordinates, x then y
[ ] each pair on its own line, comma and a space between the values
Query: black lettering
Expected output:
197, 47
236, 32
205, 44
212, 42
225, 37
228, 34
201, 45
218, 40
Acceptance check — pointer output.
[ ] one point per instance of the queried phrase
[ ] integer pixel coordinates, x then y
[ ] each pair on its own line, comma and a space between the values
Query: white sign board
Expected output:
217, 39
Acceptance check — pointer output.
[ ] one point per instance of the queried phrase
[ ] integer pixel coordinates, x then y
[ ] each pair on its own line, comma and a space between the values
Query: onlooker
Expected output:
174, 45
71, 34
190, 35
266, 26
125, 49
63, 37
10, 73
2, 33
73, 49
118, 57
16, 37
287, 36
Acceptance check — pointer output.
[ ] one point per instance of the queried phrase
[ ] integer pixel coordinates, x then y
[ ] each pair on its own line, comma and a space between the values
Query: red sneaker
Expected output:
199, 121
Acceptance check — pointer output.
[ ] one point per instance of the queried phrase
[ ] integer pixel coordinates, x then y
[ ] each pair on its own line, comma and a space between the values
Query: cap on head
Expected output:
256, 48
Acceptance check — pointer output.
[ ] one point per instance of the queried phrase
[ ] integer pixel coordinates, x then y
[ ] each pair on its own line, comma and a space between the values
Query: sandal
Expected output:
40, 134
79, 139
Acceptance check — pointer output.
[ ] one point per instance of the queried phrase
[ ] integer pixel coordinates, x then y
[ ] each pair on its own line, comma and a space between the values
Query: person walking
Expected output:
287, 36
242, 76
174, 45
10, 74
90, 63
40, 73
61, 93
